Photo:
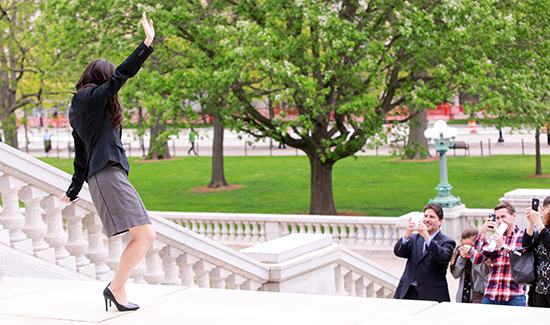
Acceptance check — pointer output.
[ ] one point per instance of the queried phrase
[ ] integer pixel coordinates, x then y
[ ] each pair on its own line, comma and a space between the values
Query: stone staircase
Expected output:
50, 239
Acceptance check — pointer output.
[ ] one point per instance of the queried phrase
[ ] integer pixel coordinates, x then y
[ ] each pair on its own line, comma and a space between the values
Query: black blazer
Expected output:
96, 141
430, 267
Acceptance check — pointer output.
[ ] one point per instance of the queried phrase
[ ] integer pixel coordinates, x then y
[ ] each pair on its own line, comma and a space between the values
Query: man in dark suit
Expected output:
428, 253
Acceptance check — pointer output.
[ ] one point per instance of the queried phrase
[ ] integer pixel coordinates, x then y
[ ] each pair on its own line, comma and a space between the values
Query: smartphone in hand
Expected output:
535, 204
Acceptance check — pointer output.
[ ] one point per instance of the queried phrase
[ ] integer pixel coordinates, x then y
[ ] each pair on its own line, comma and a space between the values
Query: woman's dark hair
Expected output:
96, 74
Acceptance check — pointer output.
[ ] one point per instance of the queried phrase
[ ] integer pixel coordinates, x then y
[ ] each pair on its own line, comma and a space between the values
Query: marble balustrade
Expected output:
33, 220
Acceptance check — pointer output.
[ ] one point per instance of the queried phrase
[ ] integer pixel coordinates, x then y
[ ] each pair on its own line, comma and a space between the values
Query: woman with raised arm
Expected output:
539, 241
100, 159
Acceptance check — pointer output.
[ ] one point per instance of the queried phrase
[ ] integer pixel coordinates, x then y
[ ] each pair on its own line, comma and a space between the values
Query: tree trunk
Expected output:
158, 146
218, 176
417, 146
9, 127
538, 168
322, 200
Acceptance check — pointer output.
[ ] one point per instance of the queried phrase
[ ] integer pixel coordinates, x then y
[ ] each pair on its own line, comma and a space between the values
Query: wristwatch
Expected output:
504, 247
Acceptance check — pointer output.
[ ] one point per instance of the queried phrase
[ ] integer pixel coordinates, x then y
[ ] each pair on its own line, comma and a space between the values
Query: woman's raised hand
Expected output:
148, 29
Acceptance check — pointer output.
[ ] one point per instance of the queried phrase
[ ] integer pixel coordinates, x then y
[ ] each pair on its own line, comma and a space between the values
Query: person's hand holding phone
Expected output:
490, 224
464, 250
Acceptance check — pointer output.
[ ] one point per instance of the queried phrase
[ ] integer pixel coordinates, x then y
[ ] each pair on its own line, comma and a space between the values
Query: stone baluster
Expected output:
186, 224
168, 255
387, 236
309, 227
255, 231
302, 228
216, 230
247, 231
153, 273
293, 228
202, 228
56, 236
361, 287
361, 235
185, 263
383, 292
97, 253
193, 226
209, 230
324, 229
343, 234
76, 244
371, 292
335, 233
286, 230
377, 291
224, 233
202, 269
234, 281
349, 283
317, 227
11, 217
35, 228
379, 237
218, 276
339, 274
353, 234
240, 231
263, 232
370, 236
232, 231
250, 285
115, 251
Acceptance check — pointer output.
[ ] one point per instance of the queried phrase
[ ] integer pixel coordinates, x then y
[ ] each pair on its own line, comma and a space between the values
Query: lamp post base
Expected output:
448, 201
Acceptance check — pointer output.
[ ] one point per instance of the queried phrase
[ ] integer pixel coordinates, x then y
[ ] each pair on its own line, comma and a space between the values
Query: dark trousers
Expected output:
412, 293
192, 148
541, 300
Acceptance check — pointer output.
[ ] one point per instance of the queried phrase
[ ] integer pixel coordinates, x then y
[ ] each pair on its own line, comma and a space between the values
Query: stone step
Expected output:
39, 301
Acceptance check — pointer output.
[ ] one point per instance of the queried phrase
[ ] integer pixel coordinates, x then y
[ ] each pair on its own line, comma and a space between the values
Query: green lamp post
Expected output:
441, 137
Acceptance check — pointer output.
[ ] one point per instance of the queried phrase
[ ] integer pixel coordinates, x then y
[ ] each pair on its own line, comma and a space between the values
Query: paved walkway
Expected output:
62, 302
482, 143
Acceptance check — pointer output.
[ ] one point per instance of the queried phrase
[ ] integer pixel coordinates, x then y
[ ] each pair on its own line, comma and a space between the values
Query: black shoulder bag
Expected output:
522, 263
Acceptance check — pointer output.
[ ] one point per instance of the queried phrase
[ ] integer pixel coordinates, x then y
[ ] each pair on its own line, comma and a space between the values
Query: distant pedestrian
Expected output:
282, 145
47, 141
192, 135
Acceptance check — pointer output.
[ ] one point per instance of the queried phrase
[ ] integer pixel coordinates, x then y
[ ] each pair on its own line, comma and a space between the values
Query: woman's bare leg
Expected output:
142, 238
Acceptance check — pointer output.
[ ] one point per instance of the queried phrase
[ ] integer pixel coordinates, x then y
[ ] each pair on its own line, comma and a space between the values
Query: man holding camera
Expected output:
428, 253
501, 288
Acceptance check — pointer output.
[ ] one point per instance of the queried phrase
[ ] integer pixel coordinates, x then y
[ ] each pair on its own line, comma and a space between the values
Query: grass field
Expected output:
374, 186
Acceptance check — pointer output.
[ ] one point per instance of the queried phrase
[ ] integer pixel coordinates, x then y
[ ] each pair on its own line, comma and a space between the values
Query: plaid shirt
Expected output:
501, 285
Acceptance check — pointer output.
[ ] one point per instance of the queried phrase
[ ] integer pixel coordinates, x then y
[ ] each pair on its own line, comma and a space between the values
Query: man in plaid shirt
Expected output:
501, 288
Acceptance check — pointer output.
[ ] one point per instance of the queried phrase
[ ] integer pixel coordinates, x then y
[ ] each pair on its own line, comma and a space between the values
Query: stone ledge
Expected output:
288, 247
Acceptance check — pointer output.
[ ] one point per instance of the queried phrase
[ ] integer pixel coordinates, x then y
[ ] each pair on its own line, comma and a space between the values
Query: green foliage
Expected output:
375, 186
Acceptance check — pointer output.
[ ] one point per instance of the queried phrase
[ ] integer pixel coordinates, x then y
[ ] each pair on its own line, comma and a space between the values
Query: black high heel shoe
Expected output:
108, 295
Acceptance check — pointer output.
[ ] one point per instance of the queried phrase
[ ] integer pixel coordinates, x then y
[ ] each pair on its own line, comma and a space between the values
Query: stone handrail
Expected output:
364, 235
71, 236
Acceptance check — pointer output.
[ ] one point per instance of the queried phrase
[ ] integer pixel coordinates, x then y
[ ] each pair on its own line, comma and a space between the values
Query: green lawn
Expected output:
374, 186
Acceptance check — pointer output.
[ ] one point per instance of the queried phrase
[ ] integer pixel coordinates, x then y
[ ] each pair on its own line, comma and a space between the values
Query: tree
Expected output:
195, 23
21, 71
344, 67
516, 87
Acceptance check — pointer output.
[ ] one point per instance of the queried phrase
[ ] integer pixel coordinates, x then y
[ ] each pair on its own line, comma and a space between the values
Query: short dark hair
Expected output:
437, 208
506, 205
546, 201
